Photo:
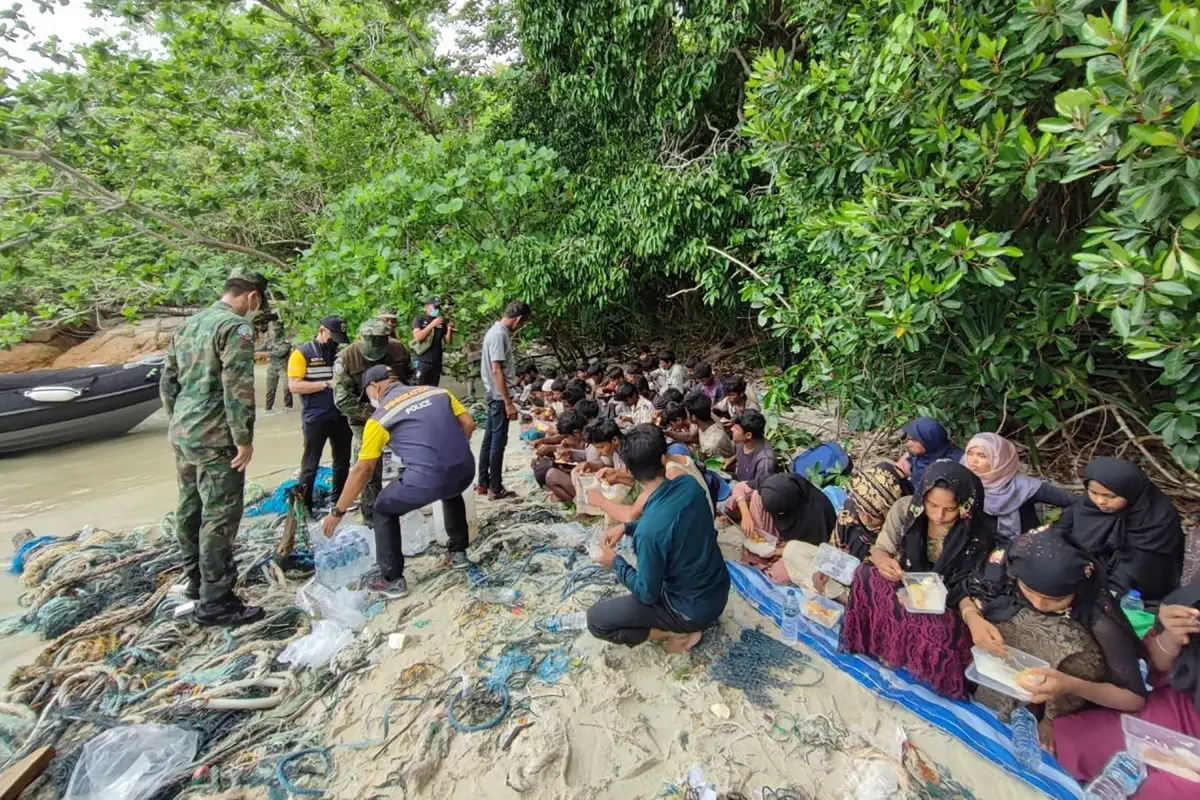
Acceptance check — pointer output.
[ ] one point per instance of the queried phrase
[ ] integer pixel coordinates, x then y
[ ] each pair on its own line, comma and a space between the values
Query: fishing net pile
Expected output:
117, 654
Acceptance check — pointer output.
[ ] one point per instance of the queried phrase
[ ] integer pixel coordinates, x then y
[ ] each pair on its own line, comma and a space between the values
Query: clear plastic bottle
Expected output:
504, 597
791, 615
566, 622
1026, 747
1122, 776
1132, 601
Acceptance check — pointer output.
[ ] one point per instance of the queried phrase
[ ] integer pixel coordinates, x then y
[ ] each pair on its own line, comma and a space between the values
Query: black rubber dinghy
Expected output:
50, 407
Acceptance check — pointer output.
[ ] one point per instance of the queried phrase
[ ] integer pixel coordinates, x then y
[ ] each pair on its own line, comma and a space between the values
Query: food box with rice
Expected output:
924, 593
1163, 748
822, 610
1005, 674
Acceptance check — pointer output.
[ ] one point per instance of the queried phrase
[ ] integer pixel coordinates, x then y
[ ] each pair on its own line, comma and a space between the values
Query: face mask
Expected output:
374, 402
254, 313
437, 312
375, 347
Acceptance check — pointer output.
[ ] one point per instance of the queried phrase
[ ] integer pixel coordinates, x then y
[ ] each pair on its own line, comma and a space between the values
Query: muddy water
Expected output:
117, 484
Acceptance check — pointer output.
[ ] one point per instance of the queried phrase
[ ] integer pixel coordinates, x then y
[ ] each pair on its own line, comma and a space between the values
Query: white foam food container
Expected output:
1000, 674
836, 564
924, 593
1163, 748
822, 610
760, 547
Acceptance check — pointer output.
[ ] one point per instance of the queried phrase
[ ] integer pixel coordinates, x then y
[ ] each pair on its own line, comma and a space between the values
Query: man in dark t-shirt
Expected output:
431, 333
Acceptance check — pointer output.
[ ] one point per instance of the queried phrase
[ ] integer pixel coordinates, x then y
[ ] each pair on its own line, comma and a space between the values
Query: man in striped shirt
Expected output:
310, 375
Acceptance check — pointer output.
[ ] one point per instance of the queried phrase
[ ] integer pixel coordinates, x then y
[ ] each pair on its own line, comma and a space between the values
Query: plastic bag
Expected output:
415, 535
342, 606
873, 780
131, 762
328, 638
569, 534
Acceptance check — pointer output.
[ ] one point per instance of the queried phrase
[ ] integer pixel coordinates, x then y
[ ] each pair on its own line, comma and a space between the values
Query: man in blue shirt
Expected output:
680, 585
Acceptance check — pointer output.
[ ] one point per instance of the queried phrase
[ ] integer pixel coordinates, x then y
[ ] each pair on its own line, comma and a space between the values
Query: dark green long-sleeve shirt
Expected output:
677, 553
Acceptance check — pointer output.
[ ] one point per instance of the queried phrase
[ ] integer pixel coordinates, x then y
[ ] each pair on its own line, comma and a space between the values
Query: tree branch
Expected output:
327, 44
753, 274
126, 205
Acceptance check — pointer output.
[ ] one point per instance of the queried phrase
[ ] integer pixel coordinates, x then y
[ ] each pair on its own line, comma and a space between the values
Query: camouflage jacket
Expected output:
279, 346
347, 378
207, 384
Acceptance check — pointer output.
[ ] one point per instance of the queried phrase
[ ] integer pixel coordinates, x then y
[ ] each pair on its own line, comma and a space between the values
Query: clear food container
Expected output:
1162, 748
1000, 673
822, 610
836, 564
924, 593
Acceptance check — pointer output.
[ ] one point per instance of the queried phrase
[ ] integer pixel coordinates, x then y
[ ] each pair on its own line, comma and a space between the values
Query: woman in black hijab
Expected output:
800, 511
1086, 740
1048, 598
1129, 526
942, 529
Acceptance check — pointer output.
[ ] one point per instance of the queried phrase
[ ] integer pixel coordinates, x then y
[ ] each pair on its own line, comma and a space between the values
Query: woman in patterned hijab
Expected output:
871, 492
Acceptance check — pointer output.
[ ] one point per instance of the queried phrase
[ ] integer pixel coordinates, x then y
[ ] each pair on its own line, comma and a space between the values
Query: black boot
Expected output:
228, 612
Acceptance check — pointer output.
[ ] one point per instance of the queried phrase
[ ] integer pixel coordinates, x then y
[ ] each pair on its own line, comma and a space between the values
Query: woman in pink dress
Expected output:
1083, 742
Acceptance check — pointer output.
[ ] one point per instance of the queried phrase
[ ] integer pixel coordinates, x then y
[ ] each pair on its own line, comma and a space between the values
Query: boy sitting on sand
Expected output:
680, 585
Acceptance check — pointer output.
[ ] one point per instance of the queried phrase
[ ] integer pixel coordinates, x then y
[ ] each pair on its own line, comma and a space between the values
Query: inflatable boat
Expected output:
50, 407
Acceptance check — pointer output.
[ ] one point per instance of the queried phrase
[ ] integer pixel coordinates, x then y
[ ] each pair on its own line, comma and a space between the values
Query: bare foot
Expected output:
683, 642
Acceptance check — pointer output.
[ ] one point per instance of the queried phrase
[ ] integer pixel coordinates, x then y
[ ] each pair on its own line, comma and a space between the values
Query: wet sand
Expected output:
118, 484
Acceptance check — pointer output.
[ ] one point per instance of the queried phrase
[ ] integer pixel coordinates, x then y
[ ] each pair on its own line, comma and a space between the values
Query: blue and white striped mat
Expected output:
969, 722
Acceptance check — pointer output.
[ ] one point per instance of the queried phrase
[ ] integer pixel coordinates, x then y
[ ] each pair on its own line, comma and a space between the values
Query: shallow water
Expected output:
117, 484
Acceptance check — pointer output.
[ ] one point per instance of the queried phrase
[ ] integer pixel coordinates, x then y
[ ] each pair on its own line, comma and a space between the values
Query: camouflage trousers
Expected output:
207, 518
276, 372
366, 500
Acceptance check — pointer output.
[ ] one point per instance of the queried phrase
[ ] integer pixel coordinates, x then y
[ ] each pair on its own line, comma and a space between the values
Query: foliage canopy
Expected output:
988, 210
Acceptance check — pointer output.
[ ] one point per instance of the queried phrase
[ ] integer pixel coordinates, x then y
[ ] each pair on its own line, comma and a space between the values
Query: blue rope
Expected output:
281, 770
25, 550
502, 691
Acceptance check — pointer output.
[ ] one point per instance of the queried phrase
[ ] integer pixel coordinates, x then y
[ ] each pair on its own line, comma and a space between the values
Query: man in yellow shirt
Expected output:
429, 430
310, 375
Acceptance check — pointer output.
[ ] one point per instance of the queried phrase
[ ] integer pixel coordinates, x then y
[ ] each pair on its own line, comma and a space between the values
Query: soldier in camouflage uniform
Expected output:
374, 345
208, 391
387, 315
279, 347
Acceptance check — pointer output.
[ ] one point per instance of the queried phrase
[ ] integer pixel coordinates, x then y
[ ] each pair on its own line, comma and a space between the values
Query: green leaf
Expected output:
1172, 288
1055, 125
1189, 119
1189, 264
970, 84
450, 206
1164, 139
1073, 101
1120, 18
1170, 265
1081, 51
1120, 321
1192, 220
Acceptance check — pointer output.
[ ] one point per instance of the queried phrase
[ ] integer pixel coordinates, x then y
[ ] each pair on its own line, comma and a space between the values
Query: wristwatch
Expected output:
336, 512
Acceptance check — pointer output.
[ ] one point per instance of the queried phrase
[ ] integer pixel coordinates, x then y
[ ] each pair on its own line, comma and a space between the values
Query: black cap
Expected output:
379, 372
434, 301
336, 327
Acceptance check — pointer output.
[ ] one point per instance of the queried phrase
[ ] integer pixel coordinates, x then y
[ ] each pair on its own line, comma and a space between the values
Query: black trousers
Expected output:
627, 620
316, 433
491, 452
428, 374
398, 499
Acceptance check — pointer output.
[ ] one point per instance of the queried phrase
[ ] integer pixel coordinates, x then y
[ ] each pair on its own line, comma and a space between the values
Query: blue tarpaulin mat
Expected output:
277, 501
974, 725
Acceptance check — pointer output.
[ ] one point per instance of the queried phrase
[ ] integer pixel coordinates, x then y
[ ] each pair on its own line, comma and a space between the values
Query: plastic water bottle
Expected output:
345, 557
1026, 748
1132, 601
791, 616
567, 622
504, 597
1123, 775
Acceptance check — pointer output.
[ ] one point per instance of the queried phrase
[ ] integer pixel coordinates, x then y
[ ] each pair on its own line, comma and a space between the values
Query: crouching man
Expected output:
428, 429
680, 585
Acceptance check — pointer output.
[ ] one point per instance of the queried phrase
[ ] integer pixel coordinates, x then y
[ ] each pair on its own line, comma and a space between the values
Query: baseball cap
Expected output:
336, 327
379, 372
255, 278
387, 311
433, 300
374, 327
